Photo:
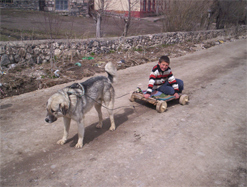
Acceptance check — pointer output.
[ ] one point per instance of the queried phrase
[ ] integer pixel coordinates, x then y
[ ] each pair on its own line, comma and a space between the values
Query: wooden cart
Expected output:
160, 102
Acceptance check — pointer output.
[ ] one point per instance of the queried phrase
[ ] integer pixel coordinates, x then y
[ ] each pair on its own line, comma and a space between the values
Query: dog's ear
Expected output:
63, 108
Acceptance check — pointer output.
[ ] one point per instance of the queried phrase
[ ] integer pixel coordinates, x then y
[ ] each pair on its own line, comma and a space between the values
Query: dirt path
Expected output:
200, 144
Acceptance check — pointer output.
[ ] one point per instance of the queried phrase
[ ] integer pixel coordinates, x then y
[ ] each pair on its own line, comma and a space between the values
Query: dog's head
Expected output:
56, 106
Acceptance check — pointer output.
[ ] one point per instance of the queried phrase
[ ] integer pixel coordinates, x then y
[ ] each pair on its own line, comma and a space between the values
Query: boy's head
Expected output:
164, 62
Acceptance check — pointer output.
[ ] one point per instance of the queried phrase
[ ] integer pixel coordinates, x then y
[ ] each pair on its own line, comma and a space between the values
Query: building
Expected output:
139, 8
74, 7
69, 7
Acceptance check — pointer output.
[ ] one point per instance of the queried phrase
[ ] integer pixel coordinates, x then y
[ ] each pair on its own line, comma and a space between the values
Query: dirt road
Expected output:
200, 144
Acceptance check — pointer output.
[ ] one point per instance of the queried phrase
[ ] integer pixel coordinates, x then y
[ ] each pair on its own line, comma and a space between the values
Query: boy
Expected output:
161, 79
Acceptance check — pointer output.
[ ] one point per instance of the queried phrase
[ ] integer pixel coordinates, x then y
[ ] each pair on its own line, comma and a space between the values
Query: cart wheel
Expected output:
132, 98
184, 99
161, 106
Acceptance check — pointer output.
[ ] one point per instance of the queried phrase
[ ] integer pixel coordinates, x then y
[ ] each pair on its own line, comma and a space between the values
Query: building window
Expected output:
61, 4
153, 5
144, 5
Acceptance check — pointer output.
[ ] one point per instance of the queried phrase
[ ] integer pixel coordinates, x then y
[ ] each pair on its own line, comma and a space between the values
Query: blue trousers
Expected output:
167, 88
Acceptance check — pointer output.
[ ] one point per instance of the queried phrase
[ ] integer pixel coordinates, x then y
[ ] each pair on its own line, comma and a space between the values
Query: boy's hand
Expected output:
176, 95
146, 95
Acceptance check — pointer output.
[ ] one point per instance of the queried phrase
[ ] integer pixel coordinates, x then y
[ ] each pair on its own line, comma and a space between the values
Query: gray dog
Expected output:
75, 101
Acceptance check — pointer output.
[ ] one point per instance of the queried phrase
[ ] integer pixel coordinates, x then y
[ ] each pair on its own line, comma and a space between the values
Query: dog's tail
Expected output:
111, 70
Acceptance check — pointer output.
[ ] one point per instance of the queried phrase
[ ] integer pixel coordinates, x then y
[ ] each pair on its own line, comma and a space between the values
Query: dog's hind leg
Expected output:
66, 122
98, 109
80, 133
110, 106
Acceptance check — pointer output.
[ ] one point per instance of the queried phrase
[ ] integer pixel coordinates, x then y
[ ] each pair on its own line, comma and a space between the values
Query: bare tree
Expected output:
103, 6
98, 13
184, 15
228, 12
52, 25
127, 20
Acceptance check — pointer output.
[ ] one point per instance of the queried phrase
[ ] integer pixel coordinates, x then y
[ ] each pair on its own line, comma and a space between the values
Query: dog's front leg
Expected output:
80, 133
66, 122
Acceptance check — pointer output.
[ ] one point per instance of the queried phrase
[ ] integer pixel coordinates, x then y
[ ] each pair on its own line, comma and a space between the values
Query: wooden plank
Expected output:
140, 96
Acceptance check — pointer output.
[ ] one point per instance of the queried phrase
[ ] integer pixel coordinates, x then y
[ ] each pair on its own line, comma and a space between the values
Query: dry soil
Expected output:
199, 144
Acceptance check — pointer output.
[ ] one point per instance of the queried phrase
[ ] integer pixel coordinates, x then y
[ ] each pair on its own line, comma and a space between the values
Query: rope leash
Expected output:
107, 107
78, 85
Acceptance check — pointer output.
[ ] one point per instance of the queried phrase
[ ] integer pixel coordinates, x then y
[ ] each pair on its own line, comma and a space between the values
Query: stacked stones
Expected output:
44, 51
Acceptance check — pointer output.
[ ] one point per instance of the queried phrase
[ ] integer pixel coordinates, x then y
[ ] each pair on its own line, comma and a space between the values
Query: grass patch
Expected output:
137, 49
5, 38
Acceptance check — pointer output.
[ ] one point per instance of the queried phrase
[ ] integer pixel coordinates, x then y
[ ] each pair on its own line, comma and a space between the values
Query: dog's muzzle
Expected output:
50, 119
47, 120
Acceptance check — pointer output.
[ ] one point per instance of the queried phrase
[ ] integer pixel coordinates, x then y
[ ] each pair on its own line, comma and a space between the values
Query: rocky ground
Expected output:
25, 78
199, 144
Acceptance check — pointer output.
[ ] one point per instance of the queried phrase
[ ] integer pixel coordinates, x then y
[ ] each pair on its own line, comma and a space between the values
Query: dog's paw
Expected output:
112, 128
99, 126
61, 142
78, 145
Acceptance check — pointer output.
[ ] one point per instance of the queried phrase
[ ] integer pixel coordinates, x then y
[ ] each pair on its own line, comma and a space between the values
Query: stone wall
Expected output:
43, 51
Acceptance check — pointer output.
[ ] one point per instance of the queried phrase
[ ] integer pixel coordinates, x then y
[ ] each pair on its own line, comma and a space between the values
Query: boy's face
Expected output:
163, 65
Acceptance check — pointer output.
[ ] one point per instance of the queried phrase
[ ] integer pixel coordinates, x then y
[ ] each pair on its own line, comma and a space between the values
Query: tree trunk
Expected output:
98, 25
127, 21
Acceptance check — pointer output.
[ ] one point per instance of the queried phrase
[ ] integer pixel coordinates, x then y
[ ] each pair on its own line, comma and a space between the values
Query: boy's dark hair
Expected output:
164, 59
